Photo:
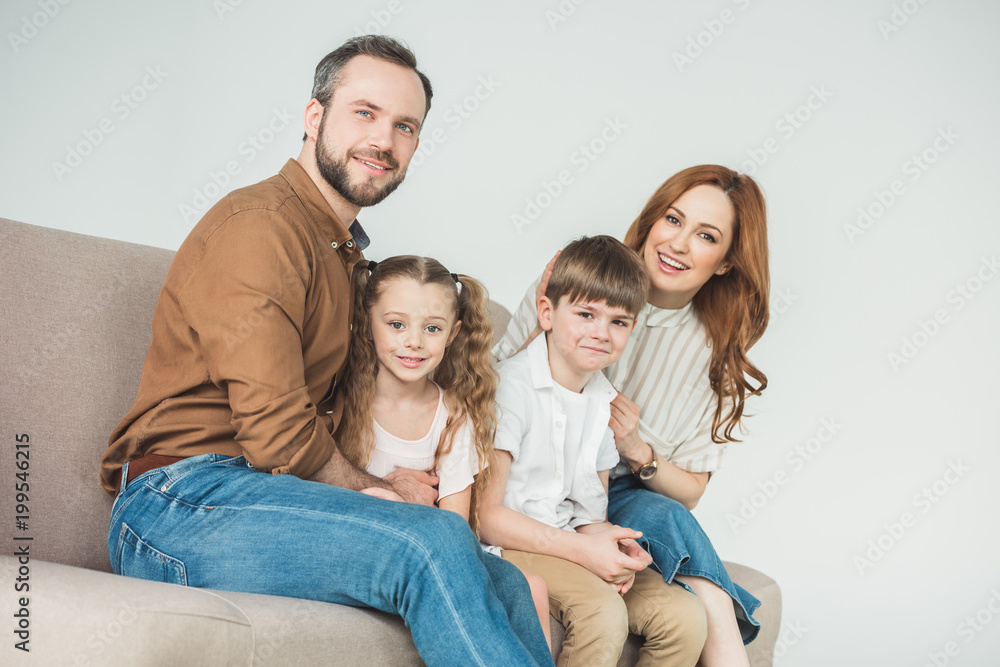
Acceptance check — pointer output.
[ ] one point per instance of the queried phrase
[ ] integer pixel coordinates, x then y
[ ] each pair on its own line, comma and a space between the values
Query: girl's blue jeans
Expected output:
211, 521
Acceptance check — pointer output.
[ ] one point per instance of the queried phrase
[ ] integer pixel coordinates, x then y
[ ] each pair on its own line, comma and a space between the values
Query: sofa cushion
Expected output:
76, 325
83, 618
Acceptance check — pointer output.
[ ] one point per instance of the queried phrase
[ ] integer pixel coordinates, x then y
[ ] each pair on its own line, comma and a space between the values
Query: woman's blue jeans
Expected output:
677, 543
213, 522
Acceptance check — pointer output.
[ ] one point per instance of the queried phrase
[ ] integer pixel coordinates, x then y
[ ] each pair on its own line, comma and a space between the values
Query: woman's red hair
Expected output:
733, 306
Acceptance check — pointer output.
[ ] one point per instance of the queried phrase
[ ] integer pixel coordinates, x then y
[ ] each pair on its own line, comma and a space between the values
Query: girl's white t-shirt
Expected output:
456, 469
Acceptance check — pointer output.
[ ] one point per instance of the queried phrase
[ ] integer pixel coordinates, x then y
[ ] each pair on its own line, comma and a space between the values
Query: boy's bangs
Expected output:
624, 294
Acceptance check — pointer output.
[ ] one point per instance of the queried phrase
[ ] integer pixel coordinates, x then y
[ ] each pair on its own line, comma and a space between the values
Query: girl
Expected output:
413, 318
703, 238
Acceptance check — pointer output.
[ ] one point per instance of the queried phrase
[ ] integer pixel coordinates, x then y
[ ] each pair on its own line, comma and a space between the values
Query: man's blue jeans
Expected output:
213, 522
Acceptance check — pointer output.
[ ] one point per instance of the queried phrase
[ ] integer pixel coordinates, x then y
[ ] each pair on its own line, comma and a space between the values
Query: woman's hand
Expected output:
624, 423
543, 285
669, 480
546, 275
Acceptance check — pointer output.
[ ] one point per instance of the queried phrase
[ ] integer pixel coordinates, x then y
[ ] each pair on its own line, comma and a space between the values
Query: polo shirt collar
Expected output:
319, 210
666, 318
538, 362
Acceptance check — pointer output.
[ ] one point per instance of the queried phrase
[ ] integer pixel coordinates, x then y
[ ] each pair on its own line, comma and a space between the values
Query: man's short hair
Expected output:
600, 268
329, 71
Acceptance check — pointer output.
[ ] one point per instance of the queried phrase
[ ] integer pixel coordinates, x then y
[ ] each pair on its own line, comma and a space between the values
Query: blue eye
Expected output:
405, 128
396, 325
433, 328
365, 113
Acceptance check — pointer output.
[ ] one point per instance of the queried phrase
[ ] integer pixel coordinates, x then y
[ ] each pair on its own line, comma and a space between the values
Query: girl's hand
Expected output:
384, 494
624, 423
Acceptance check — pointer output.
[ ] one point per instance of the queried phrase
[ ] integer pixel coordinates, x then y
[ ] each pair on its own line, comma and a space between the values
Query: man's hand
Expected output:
414, 486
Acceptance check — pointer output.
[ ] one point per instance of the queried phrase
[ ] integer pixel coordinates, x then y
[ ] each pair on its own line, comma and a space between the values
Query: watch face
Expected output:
647, 472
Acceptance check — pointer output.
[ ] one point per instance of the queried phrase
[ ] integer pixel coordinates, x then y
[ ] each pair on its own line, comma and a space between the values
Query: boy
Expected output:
546, 503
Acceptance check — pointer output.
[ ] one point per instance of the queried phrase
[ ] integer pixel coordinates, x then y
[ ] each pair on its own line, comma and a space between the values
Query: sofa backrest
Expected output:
76, 313
75, 324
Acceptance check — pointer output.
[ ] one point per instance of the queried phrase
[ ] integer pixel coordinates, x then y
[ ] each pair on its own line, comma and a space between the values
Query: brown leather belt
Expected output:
149, 462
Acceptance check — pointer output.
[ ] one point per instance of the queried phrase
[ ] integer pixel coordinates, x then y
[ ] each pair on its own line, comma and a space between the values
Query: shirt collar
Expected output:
663, 317
541, 372
319, 210
538, 361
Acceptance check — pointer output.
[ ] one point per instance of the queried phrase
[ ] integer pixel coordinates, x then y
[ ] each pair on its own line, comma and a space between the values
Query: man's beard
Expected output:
334, 171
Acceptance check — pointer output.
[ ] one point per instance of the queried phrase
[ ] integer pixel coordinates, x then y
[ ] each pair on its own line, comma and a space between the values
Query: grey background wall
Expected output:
866, 482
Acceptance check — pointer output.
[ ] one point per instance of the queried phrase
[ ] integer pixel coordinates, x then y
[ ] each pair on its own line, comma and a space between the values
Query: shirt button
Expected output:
350, 244
334, 245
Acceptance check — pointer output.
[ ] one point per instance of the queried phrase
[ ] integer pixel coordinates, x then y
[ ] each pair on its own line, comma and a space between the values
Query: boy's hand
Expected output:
414, 486
623, 587
632, 549
612, 553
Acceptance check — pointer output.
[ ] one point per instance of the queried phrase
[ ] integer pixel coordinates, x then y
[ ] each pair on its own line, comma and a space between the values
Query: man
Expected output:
235, 408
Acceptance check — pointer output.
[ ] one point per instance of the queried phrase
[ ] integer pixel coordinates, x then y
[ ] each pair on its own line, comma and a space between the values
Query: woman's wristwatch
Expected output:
647, 471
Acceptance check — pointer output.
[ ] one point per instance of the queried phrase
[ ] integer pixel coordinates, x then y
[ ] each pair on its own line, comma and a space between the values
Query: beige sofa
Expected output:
76, 314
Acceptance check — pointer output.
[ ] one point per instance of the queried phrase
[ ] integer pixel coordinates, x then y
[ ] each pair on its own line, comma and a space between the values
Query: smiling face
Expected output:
583, 338
368, 130
688, 246
412, 324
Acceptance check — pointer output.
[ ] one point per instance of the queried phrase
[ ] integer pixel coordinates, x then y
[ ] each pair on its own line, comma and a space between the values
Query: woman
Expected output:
684, 379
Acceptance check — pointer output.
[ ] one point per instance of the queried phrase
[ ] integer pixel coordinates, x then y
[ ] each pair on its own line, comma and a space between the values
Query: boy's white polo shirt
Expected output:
553, 480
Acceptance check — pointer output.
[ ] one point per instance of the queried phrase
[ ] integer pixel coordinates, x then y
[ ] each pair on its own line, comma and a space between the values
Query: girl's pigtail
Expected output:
470, 382
356, 385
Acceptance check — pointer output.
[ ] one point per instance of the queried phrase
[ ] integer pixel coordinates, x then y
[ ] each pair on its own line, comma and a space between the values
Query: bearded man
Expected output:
225, 471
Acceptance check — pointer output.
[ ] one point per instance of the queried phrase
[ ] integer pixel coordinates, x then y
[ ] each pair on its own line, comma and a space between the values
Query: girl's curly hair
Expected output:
465, 373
